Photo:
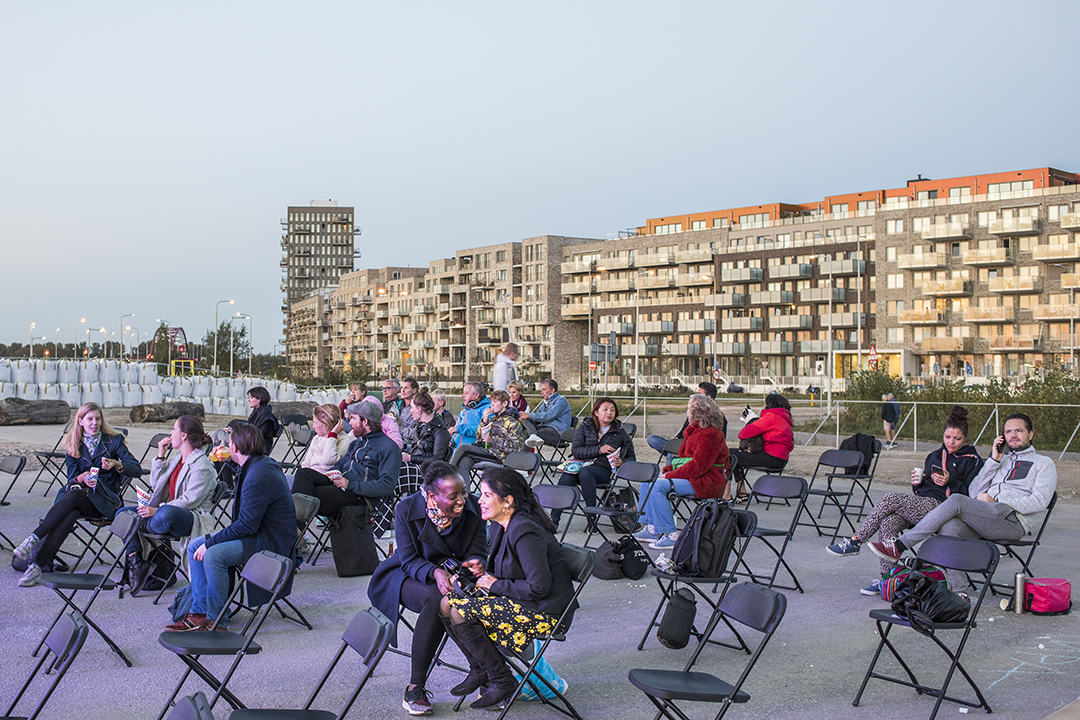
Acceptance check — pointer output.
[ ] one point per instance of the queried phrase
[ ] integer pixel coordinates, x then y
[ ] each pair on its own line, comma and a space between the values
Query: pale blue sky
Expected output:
148, 150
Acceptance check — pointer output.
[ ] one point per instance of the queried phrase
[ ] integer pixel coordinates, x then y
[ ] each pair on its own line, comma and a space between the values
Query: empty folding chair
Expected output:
787, 488
64, 642
559, 497
1015, 548
193, 707
952, 553
862, 477
630, 472
755, 607
298, 440
124, 527
557, 454
52, 463
832, 467
265, 570
630, 429
11, 465
368, 636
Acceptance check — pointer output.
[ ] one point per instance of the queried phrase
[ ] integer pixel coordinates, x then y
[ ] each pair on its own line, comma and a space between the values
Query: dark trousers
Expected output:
428, 631
466, 456
331, 498
59, 521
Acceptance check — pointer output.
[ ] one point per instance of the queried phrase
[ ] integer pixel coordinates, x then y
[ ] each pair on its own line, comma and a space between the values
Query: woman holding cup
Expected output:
947, 469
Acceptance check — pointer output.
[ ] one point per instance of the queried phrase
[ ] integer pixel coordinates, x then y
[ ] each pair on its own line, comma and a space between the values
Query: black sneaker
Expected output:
416, 701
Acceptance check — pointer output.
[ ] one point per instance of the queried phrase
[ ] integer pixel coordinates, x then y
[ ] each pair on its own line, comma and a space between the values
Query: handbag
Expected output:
571, 467
624, 500
1047, 596
924, 602
352, 542
893, 578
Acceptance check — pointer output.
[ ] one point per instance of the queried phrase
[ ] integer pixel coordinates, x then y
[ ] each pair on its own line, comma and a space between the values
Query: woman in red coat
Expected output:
774, 427
702, 475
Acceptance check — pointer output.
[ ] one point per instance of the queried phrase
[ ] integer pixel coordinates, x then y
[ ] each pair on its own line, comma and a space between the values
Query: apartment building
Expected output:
308, 334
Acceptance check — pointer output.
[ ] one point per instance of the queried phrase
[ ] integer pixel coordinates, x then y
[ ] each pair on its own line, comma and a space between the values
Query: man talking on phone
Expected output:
1014, 485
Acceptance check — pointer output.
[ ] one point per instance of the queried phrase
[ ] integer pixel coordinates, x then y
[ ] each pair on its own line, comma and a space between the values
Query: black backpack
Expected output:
632, 557
705, 543
608, 563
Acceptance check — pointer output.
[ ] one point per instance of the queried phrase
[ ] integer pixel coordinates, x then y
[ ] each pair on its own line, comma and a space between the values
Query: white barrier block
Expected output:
22, 371
71, 394
108, 372
184, 386
26, 391
132, 394
45, 371
67, 371
152, 394
5, 371
7, 390
48, 391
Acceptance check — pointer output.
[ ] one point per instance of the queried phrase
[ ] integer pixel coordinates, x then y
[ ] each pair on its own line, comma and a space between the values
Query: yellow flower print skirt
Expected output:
508, 623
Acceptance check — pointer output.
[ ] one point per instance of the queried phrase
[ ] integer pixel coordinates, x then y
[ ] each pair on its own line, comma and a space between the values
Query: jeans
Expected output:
657, 507
210, 577
168, 520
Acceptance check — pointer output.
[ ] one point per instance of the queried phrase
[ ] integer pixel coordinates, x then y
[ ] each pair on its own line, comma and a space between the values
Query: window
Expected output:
960, 192
500, 256
866, 207
1006, 187
986, 217
894, 227
919, 224
1054, 212
894, 281
892, 335
840, 208
927, 195
890, 254
668, 229
720, 222
755, 218
697, 225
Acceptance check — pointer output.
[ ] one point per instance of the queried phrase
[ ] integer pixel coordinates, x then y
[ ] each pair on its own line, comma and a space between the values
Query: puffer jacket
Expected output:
775, 425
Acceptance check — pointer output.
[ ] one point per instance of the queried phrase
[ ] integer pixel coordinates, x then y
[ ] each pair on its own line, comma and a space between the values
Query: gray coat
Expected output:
194, 490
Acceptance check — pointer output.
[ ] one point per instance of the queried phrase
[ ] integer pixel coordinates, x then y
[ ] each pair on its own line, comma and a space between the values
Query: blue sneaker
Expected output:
872, 589
847, 547
649, 534
666, 542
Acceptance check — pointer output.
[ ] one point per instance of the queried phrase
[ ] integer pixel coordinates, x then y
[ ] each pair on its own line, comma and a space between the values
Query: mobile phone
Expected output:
935, 469
1002, 446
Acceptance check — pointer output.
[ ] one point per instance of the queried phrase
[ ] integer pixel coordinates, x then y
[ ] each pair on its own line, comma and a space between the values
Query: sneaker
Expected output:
886, 550
191, 621
847, 547
872, 589
416, 701
31, 577
648, 534
27, 548
528, 694
534, 441
666, 541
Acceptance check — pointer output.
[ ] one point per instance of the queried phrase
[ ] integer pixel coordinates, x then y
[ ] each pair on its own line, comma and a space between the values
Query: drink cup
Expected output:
916, 476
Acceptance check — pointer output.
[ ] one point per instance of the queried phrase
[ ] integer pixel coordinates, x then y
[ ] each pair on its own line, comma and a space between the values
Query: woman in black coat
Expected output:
262, 417
440, 522
528, 586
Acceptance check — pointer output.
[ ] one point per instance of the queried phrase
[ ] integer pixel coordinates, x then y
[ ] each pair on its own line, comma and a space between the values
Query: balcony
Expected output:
698, 325
1056, 251
741, 275
947, 344
772, 297
777, 322
694, 256
575, 288
444, 342
1051, 313
574, 310
1014, 342
988, 314
729, 348
619, 285
383, 329
1016, 226
415, 327
810, 347
947, 231
400, 312
922, 261
846, 319
399, 345
382, 346
641, 350
441, 325
576, 266
423, 310
772, 347
654, 259
928, 316
489, 340
381, 314
425, 343
725, 300
822, 294
842, 267
795, 270
655, 281
1070, 281
1015, 285
742, 323
444, 307
1070, 220
952, 286
618, 263
618, 328
988, 256
686, 279
682, 349
658, 326
359, 300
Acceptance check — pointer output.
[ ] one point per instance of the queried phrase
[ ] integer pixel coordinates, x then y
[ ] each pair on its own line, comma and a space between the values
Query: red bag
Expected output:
1047, 596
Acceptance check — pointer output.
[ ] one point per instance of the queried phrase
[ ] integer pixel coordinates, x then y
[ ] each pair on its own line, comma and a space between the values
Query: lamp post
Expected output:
216, 307
122, 332
1072, 322
75, 349
168, 339
32, 326
134, 350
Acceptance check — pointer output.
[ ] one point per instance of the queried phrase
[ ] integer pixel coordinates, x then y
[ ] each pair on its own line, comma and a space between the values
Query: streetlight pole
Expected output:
216, 307
104, 340
122, 332
75, 349
135, 350
32, 326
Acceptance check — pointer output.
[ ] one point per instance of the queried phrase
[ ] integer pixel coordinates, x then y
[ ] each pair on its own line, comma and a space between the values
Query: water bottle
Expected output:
1018, 592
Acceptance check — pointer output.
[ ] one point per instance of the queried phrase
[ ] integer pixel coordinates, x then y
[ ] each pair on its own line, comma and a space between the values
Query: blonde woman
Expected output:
330, 443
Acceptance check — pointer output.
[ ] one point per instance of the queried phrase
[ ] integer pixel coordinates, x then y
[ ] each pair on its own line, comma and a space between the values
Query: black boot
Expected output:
476, 678
501, 682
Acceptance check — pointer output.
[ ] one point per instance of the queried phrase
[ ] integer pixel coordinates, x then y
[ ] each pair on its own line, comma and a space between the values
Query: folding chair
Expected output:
124, 527
86, 533
745, 525
630, 429
559, 497
557, 455
677, 500
632, 472
64, 642
194, 707
954, 553
779, 487
298, 441
581, 562
52, 463
12, 465
307, 507
832, 465
265, 570
861, 483
526, 462
152, 446
368, 635
755, 607
671, 448
1014, 548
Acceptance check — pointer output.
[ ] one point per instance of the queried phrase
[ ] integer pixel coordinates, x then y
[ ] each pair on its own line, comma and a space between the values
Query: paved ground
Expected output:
1027, 666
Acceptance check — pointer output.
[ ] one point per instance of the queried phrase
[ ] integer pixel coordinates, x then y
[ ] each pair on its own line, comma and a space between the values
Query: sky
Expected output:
149, 150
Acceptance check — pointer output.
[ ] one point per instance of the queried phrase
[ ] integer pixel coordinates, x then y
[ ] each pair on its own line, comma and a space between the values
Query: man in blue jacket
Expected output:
473, 405
551, 418
263, 518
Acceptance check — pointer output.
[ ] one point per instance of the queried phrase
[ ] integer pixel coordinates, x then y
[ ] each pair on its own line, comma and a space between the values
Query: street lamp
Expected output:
122, 333
1072, 321
32, 326
75, 349
218, 305
134, 350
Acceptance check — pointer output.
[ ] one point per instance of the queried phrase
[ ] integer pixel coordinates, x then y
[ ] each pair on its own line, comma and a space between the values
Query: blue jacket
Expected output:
372, 465
106, 497
553, 412
263, 516
468, 420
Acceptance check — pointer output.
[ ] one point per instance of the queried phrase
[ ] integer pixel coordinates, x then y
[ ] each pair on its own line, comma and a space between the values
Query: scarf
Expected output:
91, 442
437, 517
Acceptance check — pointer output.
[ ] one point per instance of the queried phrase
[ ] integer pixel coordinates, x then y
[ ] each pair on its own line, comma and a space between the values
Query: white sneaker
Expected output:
27, 548
31, 577
534, 441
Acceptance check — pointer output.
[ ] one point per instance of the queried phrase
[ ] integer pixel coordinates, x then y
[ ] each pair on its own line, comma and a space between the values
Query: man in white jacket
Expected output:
504, 370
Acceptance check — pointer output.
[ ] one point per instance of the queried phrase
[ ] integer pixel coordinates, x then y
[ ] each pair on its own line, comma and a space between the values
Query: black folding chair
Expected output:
557, 454
671, 448
12, 465
832, 466
265, 570
193, 707
87, 531
678, 501
954, 553
860, 487
631, 472
630, 429
522, 461
165, 543
152, 447
64, 642
746, 524
52, 463
787, 488
368, 635
299, 442
124, 527
559, 497
755, 607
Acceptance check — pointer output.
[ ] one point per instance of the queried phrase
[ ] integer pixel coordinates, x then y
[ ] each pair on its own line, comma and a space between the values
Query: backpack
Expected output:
705, 543
624, 500
608, 563
633, 559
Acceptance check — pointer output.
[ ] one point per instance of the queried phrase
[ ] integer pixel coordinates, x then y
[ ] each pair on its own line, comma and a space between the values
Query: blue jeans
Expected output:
210, 578
168, 520
657, 507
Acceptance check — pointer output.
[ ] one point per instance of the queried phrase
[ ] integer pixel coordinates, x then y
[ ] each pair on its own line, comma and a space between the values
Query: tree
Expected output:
238, 341
161, 345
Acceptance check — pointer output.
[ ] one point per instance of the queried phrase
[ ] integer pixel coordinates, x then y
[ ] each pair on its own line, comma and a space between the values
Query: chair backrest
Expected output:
307, 507
630, 429
268, 571
1045, 520
784, 487
574, 422
303, 436
221, 490
745, 523
368, 634
568, 435
194, 707
557, 497
64, 641
581, 562
125, 525
524, 461
956, 553
12, 465
152, 445
297, 418
755, 606
840, 459
634, 471
122, 431
672, 446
